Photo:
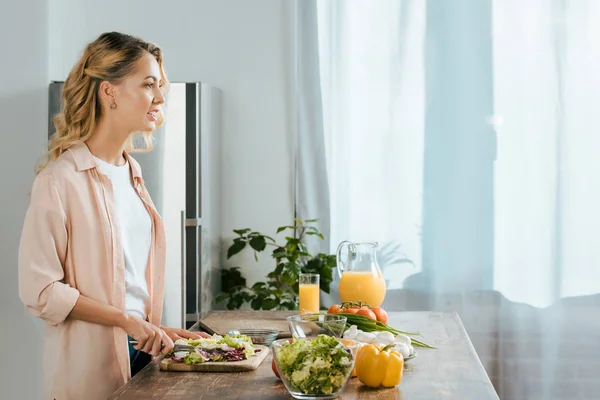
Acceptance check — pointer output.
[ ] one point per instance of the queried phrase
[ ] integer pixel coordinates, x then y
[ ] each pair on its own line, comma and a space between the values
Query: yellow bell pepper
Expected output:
377, 366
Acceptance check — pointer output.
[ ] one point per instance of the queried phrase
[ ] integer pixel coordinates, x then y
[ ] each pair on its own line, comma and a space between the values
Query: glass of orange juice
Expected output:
308, 292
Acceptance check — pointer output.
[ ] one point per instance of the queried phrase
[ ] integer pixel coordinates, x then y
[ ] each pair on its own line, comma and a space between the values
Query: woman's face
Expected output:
139, 97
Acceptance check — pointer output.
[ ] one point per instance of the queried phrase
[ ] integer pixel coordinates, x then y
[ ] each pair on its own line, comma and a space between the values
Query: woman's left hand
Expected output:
176, 334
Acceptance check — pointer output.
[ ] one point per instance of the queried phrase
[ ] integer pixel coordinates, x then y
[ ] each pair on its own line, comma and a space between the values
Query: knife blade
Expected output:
176, 348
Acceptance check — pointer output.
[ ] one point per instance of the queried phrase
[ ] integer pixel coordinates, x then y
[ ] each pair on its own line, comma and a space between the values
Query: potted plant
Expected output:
280, 289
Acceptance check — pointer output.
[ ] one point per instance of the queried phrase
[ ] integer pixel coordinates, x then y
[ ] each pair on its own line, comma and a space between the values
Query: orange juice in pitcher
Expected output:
362, 286
360, 277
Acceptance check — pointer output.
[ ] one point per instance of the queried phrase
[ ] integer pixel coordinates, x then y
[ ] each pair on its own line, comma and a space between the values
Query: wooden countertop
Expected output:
452, 371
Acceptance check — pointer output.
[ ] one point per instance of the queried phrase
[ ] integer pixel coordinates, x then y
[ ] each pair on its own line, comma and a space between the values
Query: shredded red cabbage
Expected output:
176, 359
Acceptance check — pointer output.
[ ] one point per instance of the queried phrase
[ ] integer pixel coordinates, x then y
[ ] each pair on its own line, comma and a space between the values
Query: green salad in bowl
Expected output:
317, 368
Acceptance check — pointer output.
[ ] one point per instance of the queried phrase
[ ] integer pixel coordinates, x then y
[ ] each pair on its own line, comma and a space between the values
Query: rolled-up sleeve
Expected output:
42, 254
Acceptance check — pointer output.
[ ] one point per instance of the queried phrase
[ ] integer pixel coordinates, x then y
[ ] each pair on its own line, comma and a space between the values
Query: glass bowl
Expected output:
314, 368
258, 336
313, 324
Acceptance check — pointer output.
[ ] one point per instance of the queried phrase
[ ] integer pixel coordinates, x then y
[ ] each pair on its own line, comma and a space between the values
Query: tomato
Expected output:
367, 313
350, 310
274, 367
380, 314
334, 309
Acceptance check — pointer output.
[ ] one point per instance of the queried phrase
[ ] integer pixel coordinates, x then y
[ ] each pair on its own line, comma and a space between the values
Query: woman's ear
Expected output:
107, 92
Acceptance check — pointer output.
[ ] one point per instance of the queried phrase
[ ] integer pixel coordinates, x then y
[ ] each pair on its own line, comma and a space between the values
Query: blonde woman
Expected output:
92, 252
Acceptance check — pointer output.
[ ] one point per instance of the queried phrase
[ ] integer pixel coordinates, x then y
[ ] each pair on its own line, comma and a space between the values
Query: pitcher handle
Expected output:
338, 253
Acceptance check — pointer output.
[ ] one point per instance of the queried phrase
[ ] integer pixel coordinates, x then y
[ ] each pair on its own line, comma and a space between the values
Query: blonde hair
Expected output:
111, 57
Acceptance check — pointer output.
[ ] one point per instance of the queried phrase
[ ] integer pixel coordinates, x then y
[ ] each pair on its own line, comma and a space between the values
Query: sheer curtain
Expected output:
405, 137
547, 97
372, 77
462, 136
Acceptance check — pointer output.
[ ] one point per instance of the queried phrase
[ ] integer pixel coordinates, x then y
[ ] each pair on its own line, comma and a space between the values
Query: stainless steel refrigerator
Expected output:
182, 174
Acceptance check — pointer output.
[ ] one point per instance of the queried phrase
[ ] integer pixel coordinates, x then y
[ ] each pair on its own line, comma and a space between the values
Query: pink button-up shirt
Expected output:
70, 245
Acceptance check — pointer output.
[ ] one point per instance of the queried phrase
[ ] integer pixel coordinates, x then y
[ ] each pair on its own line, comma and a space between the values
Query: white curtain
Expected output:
462, 136
372, 72
411, 113
311, 180
547, 98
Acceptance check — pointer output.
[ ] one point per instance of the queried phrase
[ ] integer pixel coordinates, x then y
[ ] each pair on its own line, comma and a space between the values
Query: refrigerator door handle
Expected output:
183, 264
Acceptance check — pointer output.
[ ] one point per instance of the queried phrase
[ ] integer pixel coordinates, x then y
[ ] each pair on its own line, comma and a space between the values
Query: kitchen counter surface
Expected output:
452, 371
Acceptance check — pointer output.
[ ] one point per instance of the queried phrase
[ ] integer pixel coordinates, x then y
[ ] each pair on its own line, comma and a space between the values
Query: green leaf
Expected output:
278, 269
231, 279
241, 232
313, 265
295, 268
298, 221
270, 238
257, 287
282, 228
290, 274
288, 305
235, 248
258, 243
279, 253
256, 303
312, 220
321, 236
269, 304
326, 272
288, 278
232, 304
221, 298
237, 300
292, 247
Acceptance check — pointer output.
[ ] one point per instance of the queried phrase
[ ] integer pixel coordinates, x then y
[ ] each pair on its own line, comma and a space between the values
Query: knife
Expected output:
176, 348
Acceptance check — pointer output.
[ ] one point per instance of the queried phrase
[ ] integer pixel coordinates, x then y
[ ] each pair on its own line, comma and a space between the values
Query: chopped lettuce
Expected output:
193, 358
216, 348
318, 366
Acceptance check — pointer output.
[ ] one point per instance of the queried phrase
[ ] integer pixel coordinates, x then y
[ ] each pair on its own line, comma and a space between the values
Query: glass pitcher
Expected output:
360, 276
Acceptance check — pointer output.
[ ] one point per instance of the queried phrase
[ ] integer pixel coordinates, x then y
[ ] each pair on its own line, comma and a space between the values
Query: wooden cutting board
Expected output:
231, 366
220, 322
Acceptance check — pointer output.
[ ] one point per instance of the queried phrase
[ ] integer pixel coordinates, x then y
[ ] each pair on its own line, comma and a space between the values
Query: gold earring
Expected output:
113, 106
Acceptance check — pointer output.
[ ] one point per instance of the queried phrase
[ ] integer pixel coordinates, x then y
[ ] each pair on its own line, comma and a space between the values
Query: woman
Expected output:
92, 253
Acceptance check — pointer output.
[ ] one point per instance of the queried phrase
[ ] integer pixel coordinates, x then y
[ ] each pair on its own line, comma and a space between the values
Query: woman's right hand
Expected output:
150, 338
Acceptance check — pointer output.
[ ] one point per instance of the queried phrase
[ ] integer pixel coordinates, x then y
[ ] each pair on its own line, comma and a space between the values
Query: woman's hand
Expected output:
151, 339
176, 334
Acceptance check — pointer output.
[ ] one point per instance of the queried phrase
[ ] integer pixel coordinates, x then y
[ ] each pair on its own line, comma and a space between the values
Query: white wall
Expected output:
239, 46
23, 109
